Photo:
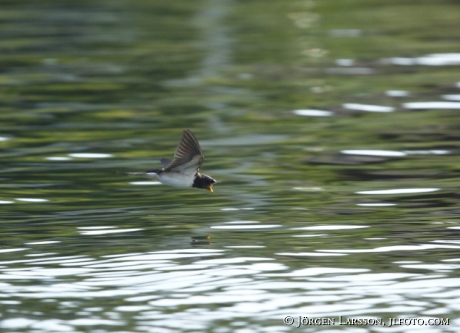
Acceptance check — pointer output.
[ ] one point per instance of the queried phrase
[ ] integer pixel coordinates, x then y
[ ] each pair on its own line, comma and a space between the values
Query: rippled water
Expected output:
333, 130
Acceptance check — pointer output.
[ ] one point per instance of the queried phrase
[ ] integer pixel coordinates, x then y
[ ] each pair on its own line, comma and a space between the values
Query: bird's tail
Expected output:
152, 174
139, 174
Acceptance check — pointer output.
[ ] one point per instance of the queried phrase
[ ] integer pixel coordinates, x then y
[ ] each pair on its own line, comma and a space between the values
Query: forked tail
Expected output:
140, 174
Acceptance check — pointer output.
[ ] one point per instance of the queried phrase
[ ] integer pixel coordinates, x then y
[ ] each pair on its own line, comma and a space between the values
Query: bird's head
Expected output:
204, 181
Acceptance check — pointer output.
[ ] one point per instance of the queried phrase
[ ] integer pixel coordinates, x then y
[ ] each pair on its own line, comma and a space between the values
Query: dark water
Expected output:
332, 126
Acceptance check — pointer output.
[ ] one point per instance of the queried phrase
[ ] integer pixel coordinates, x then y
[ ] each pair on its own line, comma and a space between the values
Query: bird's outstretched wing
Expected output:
165, 162
188, 156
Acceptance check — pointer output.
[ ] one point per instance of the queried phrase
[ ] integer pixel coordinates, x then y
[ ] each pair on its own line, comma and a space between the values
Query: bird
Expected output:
182, 170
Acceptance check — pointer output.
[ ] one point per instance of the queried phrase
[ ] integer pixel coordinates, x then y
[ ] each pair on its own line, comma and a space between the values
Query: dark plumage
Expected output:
204, 181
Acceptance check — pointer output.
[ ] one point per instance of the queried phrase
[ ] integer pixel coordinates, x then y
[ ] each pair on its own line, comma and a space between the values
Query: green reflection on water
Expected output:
107, 83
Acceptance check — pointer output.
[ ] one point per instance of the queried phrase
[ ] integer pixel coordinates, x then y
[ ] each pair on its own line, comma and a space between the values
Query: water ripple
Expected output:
313, 113
435, 59
374, 153
90, 155
247, 227
368, 107
332, 227
400, 191
396, 248
432, 105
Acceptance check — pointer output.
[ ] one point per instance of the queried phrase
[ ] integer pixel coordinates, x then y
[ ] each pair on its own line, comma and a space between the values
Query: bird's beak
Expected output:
210, 188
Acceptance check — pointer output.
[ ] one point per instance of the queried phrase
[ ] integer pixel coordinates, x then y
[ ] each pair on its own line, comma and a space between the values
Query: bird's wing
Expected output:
188, 155
165, 162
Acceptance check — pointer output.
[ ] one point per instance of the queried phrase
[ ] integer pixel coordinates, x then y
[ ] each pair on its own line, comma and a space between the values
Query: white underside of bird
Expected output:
175, 179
